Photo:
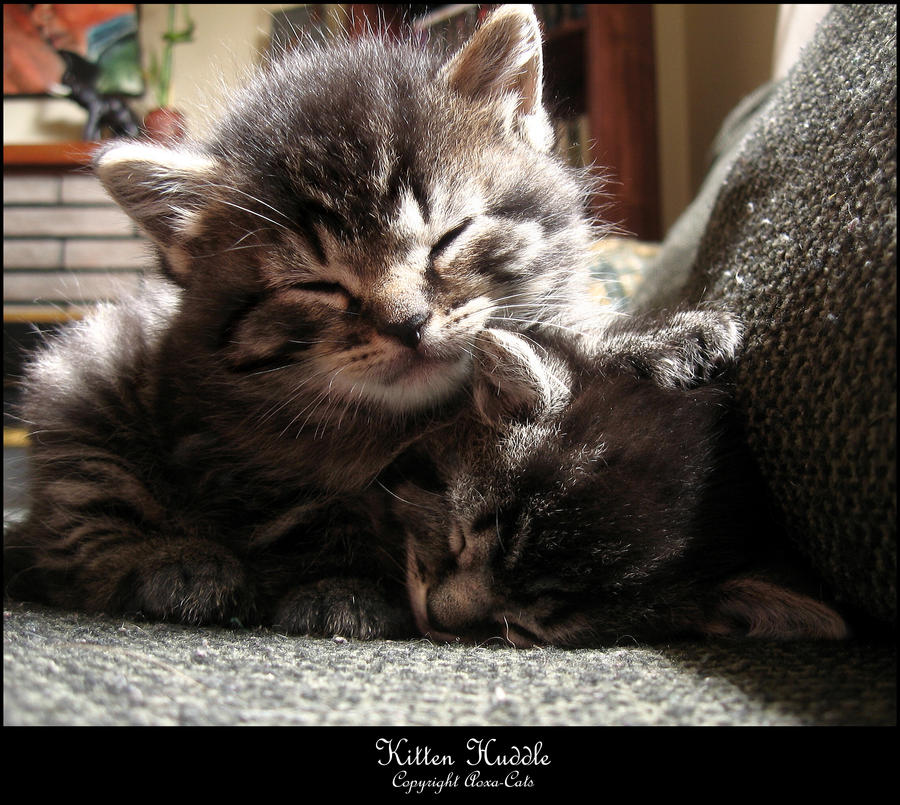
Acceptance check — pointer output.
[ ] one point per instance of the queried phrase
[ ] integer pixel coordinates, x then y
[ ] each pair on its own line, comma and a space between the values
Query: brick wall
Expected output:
65, 244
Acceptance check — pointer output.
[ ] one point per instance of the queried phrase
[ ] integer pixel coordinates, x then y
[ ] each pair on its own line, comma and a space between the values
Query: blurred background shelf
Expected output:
48, 154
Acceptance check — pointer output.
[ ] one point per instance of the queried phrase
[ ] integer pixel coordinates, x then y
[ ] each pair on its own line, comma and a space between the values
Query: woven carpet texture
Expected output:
71, 669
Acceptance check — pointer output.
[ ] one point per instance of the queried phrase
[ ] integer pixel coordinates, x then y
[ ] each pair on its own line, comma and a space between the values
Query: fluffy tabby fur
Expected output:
209, 450
596, 491
324, 413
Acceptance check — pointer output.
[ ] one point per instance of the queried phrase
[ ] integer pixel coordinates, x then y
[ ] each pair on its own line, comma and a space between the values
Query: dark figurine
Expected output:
104, 111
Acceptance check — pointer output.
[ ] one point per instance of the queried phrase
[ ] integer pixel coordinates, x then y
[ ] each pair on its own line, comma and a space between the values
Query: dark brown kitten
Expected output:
596, 492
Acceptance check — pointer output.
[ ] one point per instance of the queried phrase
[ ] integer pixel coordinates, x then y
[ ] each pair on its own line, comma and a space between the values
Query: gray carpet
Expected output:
64, 668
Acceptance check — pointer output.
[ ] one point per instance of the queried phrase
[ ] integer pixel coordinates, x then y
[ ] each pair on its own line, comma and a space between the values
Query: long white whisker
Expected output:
393, 495
257, 214
248, 195
549, 324
269, 371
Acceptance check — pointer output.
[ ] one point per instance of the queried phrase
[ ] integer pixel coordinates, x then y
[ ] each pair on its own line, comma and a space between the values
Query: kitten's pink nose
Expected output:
409, 331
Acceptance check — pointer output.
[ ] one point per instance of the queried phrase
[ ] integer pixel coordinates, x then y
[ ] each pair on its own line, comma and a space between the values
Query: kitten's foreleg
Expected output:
681, 350
354, 608
191, 581
112, 568
98, 538
512, 379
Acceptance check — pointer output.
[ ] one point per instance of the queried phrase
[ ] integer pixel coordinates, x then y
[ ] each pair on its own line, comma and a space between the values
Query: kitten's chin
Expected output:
411, 385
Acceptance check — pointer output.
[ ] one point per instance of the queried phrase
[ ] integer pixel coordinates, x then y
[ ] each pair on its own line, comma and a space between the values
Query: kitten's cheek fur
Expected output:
406, 380
417, 589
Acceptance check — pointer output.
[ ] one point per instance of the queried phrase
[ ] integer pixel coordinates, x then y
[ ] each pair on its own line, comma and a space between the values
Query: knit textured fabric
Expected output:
801, 245
68, 668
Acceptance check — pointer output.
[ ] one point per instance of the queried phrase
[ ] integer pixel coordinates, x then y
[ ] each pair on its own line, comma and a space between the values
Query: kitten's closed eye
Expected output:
322, 287
448, 237
331, 293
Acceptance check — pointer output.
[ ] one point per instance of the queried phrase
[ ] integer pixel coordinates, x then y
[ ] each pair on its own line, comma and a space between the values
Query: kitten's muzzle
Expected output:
459, 608
409, 331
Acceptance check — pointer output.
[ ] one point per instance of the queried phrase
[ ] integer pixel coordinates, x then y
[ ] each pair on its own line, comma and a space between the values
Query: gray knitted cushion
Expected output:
801, 244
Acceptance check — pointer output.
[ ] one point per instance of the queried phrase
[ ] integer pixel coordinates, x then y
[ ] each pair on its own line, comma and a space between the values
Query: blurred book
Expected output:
573, 141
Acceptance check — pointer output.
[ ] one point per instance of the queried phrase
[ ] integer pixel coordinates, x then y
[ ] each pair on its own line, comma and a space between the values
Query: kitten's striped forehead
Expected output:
456, 200
410, 219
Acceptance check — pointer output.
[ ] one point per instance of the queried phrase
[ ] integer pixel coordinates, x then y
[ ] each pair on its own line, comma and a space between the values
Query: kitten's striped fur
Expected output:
595, 492
210, 449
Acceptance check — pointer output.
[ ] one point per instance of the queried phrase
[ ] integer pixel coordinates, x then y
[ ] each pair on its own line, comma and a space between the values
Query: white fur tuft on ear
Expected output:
503, 60
753, 607
163, 189
169, 159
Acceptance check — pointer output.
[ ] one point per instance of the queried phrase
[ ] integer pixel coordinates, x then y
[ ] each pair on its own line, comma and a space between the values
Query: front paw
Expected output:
188, 581
690, 348
342, 607
512, 380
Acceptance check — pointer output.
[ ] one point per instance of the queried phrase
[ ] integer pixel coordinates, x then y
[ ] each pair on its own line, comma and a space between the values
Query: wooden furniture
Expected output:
74, 154
603, 65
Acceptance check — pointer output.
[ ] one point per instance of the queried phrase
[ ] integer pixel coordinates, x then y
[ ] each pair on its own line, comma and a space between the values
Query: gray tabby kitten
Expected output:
209, 450
595, 492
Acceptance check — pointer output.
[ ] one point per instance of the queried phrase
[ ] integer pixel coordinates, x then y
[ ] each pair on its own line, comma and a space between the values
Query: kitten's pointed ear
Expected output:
754, 607
503, 60
163, 189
